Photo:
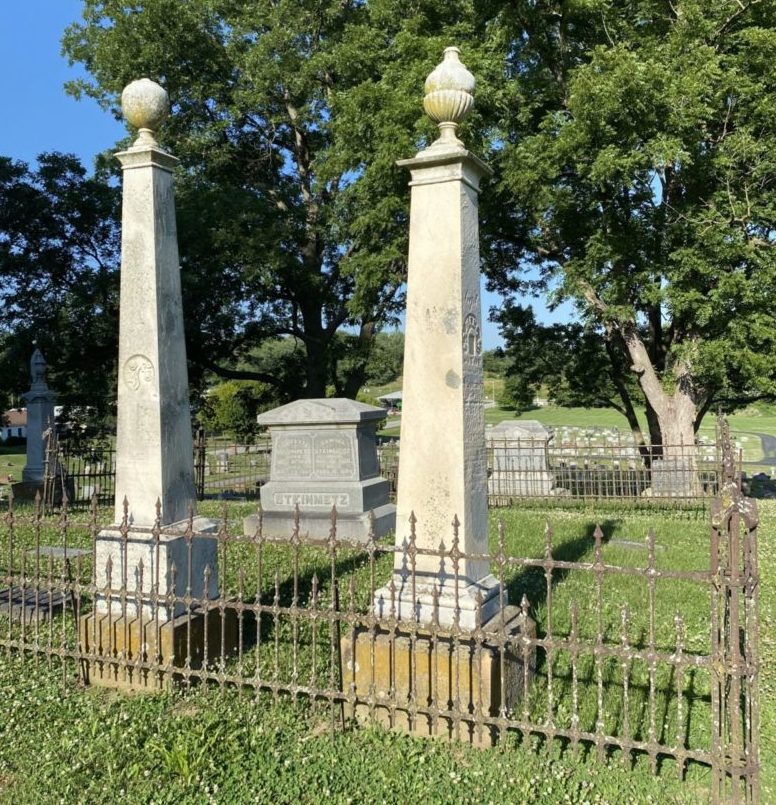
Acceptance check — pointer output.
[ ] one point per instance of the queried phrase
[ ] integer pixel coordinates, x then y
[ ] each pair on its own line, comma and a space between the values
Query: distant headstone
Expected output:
520, 465
673, 477
324, 454
222, 461
40, 416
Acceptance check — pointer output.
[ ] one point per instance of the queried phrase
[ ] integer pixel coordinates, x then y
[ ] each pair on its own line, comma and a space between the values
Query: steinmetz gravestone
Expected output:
324, 455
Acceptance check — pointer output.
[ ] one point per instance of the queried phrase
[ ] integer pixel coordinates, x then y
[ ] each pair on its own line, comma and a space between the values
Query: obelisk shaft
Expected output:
442, 469
154, 444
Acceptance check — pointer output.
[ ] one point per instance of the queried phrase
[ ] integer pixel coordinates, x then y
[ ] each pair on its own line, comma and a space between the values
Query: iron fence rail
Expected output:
518, 469
596, 673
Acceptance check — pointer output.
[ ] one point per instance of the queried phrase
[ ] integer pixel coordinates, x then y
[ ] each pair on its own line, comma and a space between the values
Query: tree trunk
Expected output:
675, 414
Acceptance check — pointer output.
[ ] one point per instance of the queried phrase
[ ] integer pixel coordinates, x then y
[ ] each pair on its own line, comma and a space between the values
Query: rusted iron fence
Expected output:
612, 665
591, 469
594, 467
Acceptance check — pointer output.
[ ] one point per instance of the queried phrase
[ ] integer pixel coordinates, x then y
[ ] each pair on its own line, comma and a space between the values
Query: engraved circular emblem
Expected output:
138, 371
472, 341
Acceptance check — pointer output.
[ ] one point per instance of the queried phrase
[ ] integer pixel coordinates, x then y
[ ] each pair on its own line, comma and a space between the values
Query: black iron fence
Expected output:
582, 649
597, 467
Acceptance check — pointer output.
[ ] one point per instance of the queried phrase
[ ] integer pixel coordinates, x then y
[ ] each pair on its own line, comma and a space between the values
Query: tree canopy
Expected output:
58, 277
633, 142
288, 117
639, 174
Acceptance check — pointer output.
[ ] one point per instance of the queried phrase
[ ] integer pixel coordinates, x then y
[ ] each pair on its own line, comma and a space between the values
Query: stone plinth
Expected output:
324, 454
520, 465
404, 679
147, 654
156, 573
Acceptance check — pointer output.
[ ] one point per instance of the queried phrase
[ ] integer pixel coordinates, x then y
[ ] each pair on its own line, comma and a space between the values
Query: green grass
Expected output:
12, 461
179, 747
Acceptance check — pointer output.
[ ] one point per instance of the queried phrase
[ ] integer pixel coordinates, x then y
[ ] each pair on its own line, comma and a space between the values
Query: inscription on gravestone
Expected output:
292, 456
334, 456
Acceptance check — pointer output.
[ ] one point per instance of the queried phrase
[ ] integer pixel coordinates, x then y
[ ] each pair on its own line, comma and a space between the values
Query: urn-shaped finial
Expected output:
37, 368
145, 105
449, 96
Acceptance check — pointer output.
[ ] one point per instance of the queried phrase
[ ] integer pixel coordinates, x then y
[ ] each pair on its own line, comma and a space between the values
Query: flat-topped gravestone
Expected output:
520, 465
324, 455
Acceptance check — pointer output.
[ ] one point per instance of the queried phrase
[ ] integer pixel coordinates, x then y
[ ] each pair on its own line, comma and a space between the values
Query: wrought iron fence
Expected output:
591, 468
226, 467
596, 655
586, 468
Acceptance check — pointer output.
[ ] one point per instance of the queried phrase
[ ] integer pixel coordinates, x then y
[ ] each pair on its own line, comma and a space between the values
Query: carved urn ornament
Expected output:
145, 106
449, 97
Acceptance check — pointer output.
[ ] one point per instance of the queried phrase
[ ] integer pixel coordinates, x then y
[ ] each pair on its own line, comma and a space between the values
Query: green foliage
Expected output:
288, 118
231, 408
59, 277
638, 179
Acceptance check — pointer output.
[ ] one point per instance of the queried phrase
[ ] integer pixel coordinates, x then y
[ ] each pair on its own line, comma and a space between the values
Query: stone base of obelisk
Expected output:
142, 654
155, 614
454, 602
435, 683
352, 527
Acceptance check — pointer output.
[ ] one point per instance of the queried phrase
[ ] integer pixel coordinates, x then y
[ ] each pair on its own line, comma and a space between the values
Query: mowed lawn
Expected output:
62, 743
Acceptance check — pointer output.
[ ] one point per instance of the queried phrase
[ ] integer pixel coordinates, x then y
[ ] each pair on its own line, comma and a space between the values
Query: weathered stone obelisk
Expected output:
442, 463
146, 563
446, 634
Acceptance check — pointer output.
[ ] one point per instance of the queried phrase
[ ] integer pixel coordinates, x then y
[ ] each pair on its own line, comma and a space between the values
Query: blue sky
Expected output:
38, 116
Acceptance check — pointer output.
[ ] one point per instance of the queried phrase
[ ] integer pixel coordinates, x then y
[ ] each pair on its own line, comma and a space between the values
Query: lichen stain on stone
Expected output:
452, 380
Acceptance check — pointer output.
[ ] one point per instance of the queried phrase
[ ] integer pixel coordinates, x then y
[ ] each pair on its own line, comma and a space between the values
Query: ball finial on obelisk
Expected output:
145, 105
449, 97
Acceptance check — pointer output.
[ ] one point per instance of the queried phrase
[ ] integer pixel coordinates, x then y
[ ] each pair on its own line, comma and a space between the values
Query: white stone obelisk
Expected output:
442, 462
154, 451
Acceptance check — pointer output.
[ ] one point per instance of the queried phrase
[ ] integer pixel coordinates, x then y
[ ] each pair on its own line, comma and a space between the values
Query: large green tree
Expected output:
288, 116
58, 277
638, 179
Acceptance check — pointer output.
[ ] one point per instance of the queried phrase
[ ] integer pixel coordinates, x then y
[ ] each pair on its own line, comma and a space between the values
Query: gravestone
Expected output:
434, 642
520, 465
324, 455
40, 400
146, 563
674, 477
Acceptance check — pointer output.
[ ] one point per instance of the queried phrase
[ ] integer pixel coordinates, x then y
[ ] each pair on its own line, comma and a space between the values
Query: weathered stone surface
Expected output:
324, 455
147, 654
150, 570
154, 450
442, 462
402, 678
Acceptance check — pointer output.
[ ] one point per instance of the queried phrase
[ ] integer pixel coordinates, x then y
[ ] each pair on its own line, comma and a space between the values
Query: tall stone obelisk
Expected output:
154, 451
442, 462
153, 570
445, 633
